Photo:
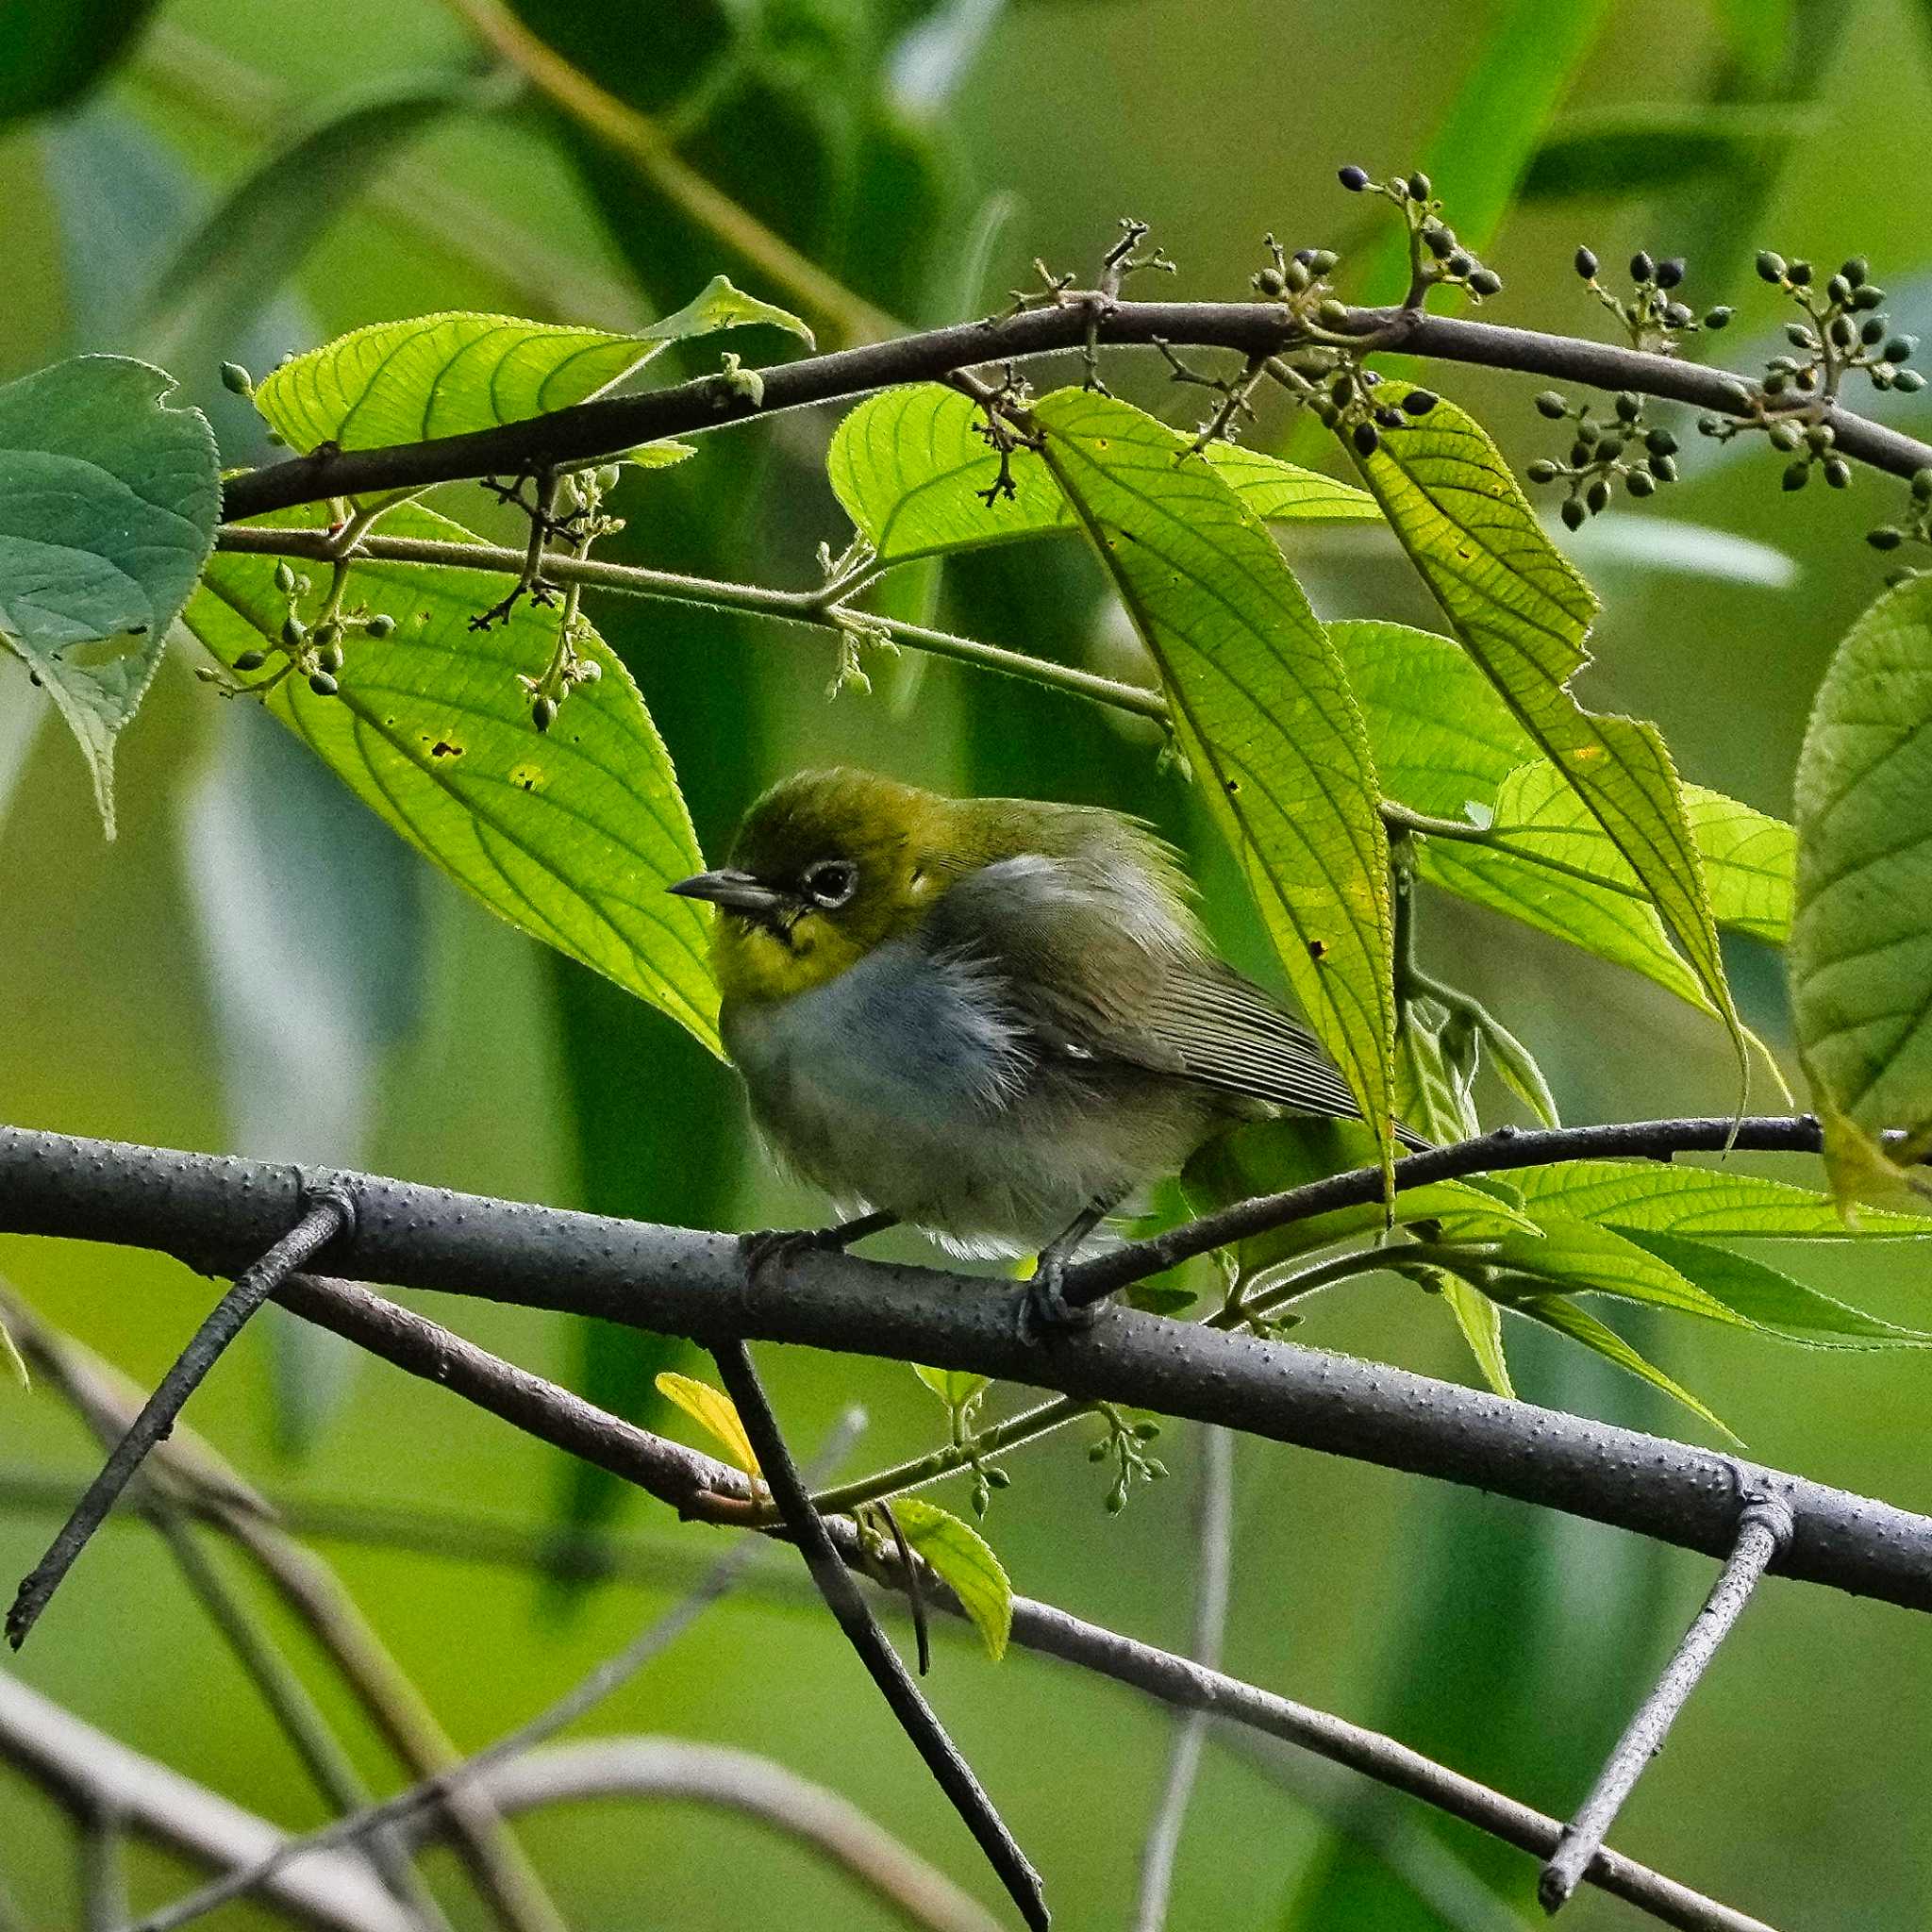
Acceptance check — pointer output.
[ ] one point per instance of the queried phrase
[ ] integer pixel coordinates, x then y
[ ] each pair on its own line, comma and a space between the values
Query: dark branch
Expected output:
592, 432
215, 1212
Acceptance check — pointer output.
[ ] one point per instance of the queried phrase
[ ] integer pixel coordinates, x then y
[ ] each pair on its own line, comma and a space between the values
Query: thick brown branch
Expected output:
595, 430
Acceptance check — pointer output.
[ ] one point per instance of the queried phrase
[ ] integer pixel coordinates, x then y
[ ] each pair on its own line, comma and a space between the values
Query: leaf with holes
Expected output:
713, 1411
1523, 612
571, 835
1861, 940
1262, 712
964, 1562
914, 474
108, 502
445, 375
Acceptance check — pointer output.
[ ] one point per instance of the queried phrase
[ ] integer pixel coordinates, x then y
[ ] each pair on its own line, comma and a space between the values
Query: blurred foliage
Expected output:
870, 136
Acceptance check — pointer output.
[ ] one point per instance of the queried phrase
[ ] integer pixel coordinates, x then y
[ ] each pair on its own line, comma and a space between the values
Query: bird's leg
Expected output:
1044, 1307
781, 1244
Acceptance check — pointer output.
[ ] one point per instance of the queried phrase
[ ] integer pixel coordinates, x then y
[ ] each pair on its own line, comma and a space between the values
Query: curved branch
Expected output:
818, 1817
590, 432
213, 1212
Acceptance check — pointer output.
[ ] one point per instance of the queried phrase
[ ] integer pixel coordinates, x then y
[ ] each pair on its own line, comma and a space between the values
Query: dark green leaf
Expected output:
52, 51
1634, 151
108, 500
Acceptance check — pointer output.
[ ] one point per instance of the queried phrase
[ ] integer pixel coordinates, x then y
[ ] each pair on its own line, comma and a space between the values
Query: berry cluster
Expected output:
1622, 448
1654, 315
313, 650
1436, 256
1844, 329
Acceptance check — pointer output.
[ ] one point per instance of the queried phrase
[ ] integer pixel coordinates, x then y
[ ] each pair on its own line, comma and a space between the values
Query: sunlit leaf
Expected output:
1263, 712
1523, 612
444, 375
714, 1412
964, 1562
570, 834
1480, 1322
956, 1388
108, 500
1861, 940
1771, 1300
1581, 1257
914, 474
1710, 1202
1560, 1313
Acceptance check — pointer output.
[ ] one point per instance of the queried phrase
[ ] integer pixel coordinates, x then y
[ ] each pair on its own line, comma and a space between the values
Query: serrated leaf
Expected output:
1480, 1322
956, 1388
964, 1561
1584, 1258
1719, 1204
571, 836
1271, 1157
444, 375
1523, 612
1861, 939
714, 1412
910, 470
1261, 710
1771, 1300
108, 502
1436, 1060
1562, 1314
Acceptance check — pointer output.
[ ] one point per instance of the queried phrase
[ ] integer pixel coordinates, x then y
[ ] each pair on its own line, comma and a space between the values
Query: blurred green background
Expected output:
256, 965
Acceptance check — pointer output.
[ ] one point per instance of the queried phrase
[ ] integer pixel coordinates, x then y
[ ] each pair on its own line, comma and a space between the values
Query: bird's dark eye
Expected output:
831, 882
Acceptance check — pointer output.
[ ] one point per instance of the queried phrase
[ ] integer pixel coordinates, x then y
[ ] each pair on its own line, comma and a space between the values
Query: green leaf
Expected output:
262, 229
1271, 1157
1523, 612
964, 1562
51, 54
1862, 940
912, 470
1658, 1197
956, 1388
108, 500
1637, 150
1480, 1321
1771, 1300
1582, 1257
445, 375
571, 836
1560, 1313
714, 1412
1261, 710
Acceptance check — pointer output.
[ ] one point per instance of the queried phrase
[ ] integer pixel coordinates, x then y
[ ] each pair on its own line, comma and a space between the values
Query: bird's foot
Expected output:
1043, 1308
778, 1247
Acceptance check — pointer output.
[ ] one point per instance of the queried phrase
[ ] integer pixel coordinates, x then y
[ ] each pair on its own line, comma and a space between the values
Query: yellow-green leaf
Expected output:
1707, 1203
914, 474
964, 1561
1263, 712
1480, 1322
1861, 940
714, 1412
956, 1388
1523, 612
570, 834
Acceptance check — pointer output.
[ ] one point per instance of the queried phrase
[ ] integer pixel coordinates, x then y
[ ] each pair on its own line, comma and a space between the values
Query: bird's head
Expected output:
826, 866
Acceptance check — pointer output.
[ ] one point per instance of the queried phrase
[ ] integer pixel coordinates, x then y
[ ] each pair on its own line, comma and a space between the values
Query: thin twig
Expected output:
842, 1594
103, 1845
590, 432
434, 1791
328, 1214
1214, 1524
1763, 1529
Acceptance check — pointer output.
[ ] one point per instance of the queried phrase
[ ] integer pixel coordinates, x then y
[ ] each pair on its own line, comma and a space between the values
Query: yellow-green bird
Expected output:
994, 1019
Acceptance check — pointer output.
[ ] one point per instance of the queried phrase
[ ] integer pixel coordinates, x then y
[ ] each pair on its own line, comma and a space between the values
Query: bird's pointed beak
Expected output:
736, 891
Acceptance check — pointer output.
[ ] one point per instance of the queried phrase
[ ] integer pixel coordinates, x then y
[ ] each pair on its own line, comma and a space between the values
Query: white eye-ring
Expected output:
830, 883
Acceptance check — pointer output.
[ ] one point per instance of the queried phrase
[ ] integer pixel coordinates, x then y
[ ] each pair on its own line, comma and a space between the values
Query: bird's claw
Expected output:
777, 1247
1043, 1307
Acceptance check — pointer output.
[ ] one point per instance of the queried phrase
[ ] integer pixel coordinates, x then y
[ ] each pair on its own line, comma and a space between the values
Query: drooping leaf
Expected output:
108, 500
1581, 1257
1637, 150
443, 374
1523, 613
913, 473
1480, 1322
1861, 939
1560, 1313
261, 230
1263, 712
570, 834
965, 1563
956, 1388
714, 1412
1771, 1300
1707, 1203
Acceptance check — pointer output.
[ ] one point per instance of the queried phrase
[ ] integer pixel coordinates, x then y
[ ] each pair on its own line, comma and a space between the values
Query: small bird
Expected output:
994, 1019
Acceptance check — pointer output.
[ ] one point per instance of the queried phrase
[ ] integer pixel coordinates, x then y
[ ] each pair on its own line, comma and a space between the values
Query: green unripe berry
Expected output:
294, 632
1797, 475
1799, 336
1486, 281
1660, 442
1856, 270
381, 624
1679, 315
1629, 406
1332, 314
544, 712
1641, 268
1770, 267
1438, 240
1799, 274
1872, 332
237, 380
1922, 486
330, 657
1909, 380
1321, 259
607, 476
1097, 1452
1663, 469
1899, 348
1641, 483
251, 661
1718, 318
1459, 263
1270, 282
1552, 405
1574, 514
588, 671
1867, 299
1886, 537
1819, 437
1838, 290
322, 684
285, 580
1542, 470
1837, 473
1420, 185
1597, 496
1841, 332
1669, 272
1580, 452
1776, 383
